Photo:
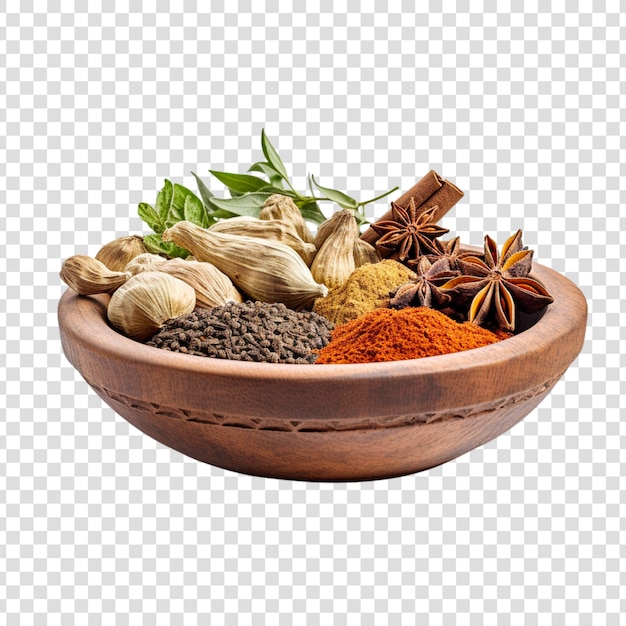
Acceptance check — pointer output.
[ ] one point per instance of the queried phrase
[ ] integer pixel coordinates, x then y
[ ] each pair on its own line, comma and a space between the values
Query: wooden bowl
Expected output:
326, 422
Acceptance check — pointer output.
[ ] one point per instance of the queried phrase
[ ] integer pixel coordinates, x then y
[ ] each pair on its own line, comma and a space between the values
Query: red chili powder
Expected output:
396, 335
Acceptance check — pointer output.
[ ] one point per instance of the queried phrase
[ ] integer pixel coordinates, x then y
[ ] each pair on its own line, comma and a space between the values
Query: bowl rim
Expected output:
562, 319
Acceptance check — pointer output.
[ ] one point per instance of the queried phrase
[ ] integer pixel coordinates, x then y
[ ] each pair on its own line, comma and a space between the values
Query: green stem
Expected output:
292, 187
308, 199
290, 194
378, 197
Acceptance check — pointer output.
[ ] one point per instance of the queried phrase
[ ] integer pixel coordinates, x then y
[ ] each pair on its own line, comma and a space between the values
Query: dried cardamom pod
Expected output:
334, 260
279, 207
329, 226
365, 253
274, 229
88, 276
212, 286
146, 262
264, 269
118, 253
146, 301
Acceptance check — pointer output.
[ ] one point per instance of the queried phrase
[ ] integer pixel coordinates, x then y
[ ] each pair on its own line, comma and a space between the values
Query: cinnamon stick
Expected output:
429, 191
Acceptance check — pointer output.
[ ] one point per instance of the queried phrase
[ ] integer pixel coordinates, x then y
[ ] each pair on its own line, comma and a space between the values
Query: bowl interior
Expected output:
326, 422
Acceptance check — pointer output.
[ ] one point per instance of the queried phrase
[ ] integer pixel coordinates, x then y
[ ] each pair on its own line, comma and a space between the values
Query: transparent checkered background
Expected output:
522, 108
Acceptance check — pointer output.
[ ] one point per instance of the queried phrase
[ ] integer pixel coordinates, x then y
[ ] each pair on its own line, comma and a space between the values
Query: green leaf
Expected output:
156, 245
170, 223
273, 176
277, 183
164, 200
264, 168
221, 214
194, 211
176, 212
174, 203
205, 193
311, 212
272, 190
150, 217
272, 156
248, 204
181, 194
240, 183
343, 200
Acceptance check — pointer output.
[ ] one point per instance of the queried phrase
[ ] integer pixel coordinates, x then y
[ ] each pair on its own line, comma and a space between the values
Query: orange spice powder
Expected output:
395, 335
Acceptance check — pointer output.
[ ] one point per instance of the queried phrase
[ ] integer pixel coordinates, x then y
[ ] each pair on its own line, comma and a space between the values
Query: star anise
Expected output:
424, 291
450, 250
498, 285
408, 234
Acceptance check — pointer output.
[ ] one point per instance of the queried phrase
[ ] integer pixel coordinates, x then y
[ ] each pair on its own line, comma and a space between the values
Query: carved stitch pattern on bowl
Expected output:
313, 425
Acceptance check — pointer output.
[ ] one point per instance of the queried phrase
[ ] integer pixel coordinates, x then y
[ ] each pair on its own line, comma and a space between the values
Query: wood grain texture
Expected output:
326, 422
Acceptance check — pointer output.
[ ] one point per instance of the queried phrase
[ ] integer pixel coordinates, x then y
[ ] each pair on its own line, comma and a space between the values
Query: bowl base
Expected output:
330, 456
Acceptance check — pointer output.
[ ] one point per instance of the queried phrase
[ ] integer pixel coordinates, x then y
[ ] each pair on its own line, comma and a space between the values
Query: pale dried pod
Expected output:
265, 270
146, 262
212, 286
146, 301
343, 220
88, 276
279, 207
118, 253
275, 229
365, 253
334, 261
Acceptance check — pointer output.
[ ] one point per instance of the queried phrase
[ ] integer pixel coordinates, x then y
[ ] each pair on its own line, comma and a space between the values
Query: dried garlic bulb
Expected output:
88, 276
146, 301
146, 262
334, 260
118, 253
279, 207
212, 286
265, 270
276, 229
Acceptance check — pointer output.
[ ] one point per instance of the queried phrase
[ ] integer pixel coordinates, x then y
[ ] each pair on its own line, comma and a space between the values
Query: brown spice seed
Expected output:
249, 331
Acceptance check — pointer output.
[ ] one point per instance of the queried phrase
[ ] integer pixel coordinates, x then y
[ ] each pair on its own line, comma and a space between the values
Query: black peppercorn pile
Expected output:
247, 331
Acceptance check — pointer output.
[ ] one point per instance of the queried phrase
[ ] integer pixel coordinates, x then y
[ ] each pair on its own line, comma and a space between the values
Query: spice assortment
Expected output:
254, 283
